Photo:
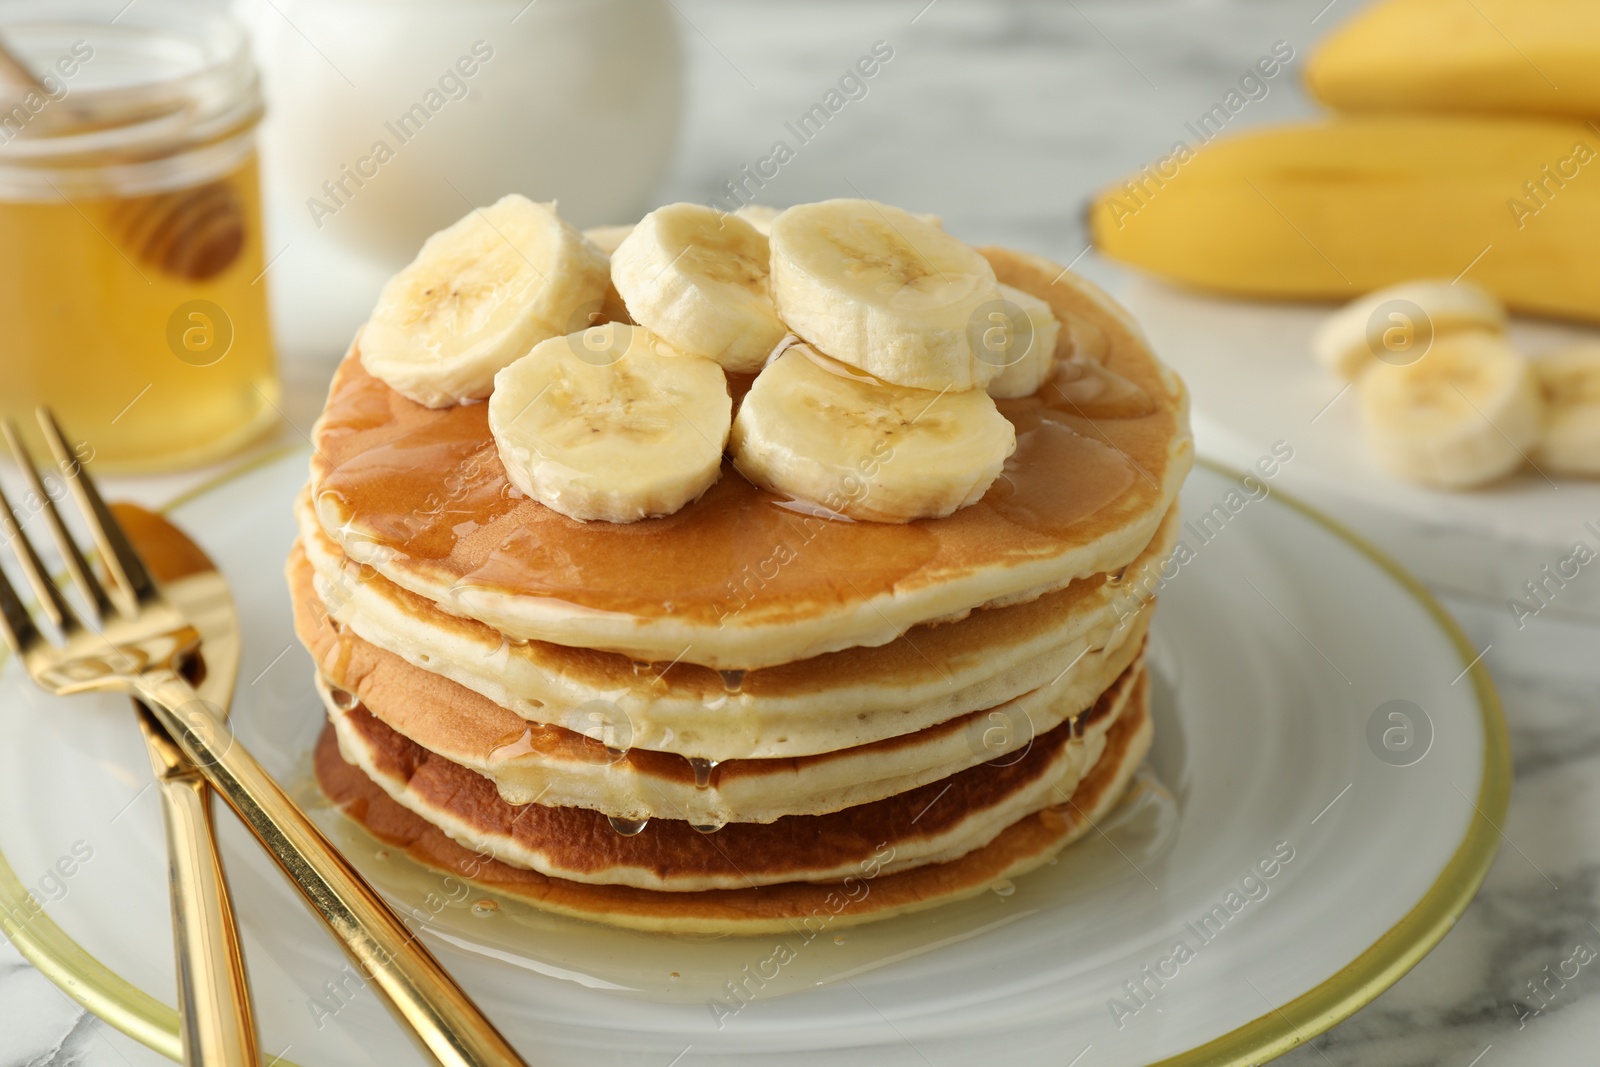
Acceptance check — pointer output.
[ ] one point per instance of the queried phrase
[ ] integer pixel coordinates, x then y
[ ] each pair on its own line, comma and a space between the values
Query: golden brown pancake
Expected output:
797, 718
742, 579
868, 895
941, 820
570, 769
837, 700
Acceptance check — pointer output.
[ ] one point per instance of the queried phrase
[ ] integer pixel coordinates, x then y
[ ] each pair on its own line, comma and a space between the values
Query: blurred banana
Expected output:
1505, 56
1335, 209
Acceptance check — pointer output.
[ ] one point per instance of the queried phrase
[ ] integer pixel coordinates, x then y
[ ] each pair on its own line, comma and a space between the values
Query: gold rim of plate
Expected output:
149, 1021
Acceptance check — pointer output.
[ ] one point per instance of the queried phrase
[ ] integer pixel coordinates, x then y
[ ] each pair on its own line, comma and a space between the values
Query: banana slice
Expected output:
1396, 325
1464, 414
479, 295
697, 278
818, 430
607, 238
885, 291
1021, 339
1570, 381
610, 423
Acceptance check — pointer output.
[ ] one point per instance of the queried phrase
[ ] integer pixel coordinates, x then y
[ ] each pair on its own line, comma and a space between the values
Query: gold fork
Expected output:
214, 1007
139, 650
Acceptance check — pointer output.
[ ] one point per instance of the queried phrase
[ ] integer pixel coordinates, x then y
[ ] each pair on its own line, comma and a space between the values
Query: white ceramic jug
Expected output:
389, 119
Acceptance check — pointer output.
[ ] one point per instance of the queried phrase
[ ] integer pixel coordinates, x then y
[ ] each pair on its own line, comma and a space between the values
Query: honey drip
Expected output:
703, 771
628, 827
533, 740
428, 484
1091, 390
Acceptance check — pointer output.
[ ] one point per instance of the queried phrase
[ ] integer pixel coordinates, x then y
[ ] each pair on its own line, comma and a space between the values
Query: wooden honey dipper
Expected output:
193, 234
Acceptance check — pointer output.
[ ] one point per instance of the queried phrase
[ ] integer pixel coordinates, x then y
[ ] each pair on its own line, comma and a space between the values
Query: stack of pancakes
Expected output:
749, 714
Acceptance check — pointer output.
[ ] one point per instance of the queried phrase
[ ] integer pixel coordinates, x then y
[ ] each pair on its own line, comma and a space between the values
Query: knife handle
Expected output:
416, 986
213, 992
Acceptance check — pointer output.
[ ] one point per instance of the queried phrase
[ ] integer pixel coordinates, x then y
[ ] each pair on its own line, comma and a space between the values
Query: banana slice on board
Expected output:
884, 291
1465, 413
817, 430
1021, 338
1393, 325
1570, 382
479, 295
697, 278
611, 423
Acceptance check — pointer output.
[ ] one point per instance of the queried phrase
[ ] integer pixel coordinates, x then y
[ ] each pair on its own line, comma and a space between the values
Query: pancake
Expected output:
838, 700
742, 579
559, 767
935, 823
868, 894
566, 768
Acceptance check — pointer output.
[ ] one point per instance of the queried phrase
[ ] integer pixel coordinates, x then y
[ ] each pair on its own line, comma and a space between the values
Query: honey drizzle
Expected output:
429, 484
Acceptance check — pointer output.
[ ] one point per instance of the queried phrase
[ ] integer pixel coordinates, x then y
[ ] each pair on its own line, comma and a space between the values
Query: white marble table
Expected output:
1002, 118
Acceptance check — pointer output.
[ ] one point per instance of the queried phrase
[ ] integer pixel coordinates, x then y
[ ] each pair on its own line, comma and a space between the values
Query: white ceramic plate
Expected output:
1278, 641
1254, 382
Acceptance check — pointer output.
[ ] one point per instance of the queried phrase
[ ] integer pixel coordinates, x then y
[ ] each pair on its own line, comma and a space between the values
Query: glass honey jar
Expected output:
132, 291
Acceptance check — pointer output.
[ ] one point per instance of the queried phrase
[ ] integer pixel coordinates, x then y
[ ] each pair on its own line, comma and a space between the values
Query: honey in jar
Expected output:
131, 263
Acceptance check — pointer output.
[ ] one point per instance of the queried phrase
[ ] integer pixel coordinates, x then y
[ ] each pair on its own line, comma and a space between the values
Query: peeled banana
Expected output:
1397, 324
697, 278
1570, 382
885, 291
611, 423
480, 294
1333, 209
1466, 413
817, 430
1530, 56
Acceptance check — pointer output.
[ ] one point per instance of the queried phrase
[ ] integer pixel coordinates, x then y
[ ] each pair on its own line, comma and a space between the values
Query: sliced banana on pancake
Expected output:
611, 423
815, 429
697, 278
1570, 381
885, 291
1388, 323
1019, 336
479, 295
1464, 414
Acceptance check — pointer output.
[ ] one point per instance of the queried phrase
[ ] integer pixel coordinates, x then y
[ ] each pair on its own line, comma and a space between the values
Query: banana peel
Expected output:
1337, 208
1537, 57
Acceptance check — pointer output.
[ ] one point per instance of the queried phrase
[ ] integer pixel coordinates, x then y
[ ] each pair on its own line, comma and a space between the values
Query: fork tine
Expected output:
116, 552
77, 566
54, 604
21, 634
